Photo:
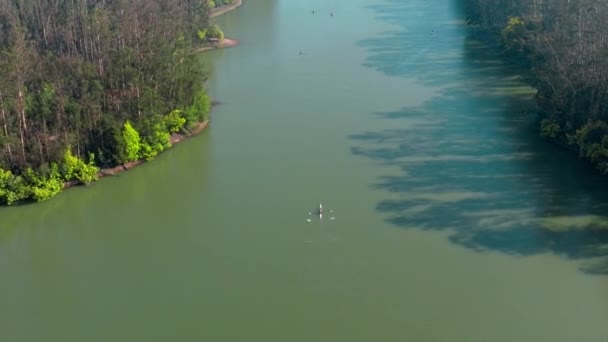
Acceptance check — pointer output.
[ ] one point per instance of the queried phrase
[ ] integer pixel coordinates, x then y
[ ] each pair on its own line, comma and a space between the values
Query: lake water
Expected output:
453, 220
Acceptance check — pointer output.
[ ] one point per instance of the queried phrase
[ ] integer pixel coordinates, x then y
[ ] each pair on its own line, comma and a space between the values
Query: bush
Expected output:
74, 168
219, 3
156, 137
592, 141
70, 165
131, 143
12, 188
214, 32
41, 187
513, 35
174, 121
549, 128
202, 34
202, 105
147, 153
88, 172
199, 110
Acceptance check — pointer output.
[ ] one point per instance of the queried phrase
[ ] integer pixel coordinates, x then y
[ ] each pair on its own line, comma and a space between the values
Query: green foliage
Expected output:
513, 35
131, 142
71, 96
214, 31
89, 172
147, 152
219, 3
12, 188
558, 42
74, 168
156, 137
202, 104
160, 138
191, 117
549, 128
70, 165
592, 141
43, 187
174, 121
202, 34
199, 110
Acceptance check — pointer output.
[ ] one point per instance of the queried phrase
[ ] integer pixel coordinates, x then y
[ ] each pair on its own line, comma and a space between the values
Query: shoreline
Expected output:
225, 9
225, 43
175, 138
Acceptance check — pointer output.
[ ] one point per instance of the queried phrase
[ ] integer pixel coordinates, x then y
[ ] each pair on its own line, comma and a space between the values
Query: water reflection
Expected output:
470, 162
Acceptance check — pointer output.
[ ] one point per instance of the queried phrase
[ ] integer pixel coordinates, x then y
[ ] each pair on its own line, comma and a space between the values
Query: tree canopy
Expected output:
106, 81
564, 44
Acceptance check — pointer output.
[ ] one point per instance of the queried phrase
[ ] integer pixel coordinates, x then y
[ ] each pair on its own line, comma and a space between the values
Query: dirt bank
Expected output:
175, 139
225, 43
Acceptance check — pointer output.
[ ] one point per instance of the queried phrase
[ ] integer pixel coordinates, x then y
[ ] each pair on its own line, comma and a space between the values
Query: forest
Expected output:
564, 45
91, 84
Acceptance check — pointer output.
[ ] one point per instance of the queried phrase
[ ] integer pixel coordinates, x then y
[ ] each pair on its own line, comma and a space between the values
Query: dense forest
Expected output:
564, 44
90, 84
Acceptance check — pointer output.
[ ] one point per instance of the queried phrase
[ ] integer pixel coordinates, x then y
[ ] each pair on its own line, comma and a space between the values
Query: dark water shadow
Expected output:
470, 162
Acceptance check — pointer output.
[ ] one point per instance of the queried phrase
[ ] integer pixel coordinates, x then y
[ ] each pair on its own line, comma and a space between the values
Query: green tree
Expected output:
214, 32
70, 165
72, 74
74, 168
198, 111
12, 188
156, 136
174, 121
44, 187
131, 143
513, 35
89, 171
202, 34
549, 128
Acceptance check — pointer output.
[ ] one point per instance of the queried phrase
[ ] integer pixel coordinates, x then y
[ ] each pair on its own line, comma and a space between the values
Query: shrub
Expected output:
131, 143
12, 188
513, 35
592, 141
44, 187
75, 168
174, 121
199, 110
202, 34
156, 137
214, 32
549, 128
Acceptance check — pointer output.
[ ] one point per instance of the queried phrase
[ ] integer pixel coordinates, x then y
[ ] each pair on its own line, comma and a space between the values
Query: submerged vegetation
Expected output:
88, 84
564, 44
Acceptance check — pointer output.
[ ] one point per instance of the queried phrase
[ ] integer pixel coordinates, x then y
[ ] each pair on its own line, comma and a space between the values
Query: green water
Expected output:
453, 222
